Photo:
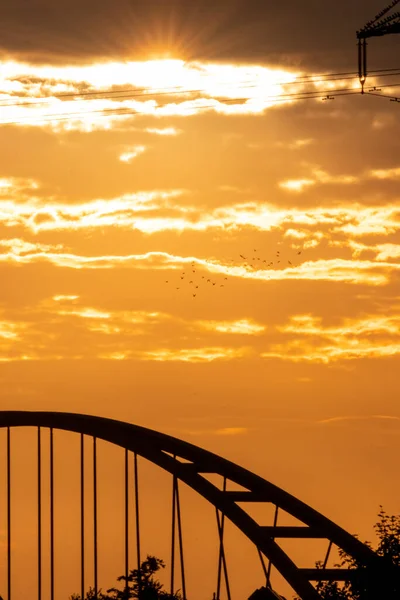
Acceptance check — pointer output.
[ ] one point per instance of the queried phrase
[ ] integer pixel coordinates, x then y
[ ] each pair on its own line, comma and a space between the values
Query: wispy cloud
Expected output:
372, 336
49, 94
344, 419
228, 431
110, 334
131, 153
192, 87
296, 144
318, 176
366, 272
164, 130
196, 355
242, 327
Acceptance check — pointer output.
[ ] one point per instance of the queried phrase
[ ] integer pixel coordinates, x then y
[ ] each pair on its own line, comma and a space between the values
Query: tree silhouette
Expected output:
140, 583
383, 583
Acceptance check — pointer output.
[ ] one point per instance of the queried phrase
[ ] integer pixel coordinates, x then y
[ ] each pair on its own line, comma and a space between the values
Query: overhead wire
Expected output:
133, 92
386, 96
127, 111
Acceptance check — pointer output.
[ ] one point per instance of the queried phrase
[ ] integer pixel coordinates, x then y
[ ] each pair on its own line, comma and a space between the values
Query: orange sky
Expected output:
290, 368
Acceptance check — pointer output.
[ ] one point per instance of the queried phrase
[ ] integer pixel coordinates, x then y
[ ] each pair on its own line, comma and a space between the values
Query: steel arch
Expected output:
168, 453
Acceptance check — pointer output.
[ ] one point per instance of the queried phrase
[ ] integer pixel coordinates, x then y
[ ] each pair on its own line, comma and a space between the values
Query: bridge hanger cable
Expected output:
222, 557
51, 460
173, 532
180, 539
136, 480
126, 486
8, 514
82, 498
39, 514
269, 560
95, 516
220, 549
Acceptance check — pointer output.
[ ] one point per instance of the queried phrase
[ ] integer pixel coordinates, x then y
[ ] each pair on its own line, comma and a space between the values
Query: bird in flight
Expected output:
194, 295
241, 256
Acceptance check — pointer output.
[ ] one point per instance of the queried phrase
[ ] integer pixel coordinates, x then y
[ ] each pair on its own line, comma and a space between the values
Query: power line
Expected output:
140, 92
121, 112
391, 98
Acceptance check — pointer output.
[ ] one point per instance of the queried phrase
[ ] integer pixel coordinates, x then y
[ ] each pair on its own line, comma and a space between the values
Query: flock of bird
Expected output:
192, 279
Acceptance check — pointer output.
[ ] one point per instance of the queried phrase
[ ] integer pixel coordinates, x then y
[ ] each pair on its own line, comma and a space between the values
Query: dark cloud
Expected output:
311, 34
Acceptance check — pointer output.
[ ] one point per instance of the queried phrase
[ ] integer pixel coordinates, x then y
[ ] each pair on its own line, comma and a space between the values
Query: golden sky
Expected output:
133, 181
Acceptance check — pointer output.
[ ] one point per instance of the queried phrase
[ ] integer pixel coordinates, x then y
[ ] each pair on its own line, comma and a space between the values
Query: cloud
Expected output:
242, 327
52, 215
94, 96
229, 431
318, 177
109, 334
169, 87
296, 185
371, 336
295, 144
385, 173
196, 355
358, 418
164, 130
131, 153
347, 271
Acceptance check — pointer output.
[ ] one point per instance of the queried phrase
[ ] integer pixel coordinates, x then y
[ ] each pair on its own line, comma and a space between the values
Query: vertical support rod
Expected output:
95, 515
221, 538
173, 533
269, 561
365, 59
39, 514
126, 522
220, 549
264, 568
82, 516
51, 515
327, 555
178, 506
137, 525
362, 62
8, 514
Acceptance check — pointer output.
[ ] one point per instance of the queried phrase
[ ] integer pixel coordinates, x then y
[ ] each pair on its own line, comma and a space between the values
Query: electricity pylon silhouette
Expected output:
379, 26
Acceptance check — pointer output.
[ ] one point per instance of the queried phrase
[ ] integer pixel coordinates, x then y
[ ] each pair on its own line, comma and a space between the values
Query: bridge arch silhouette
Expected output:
191, 464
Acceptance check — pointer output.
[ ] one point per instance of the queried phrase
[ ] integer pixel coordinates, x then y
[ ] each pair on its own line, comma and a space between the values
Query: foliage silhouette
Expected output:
381, 584
139, 583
